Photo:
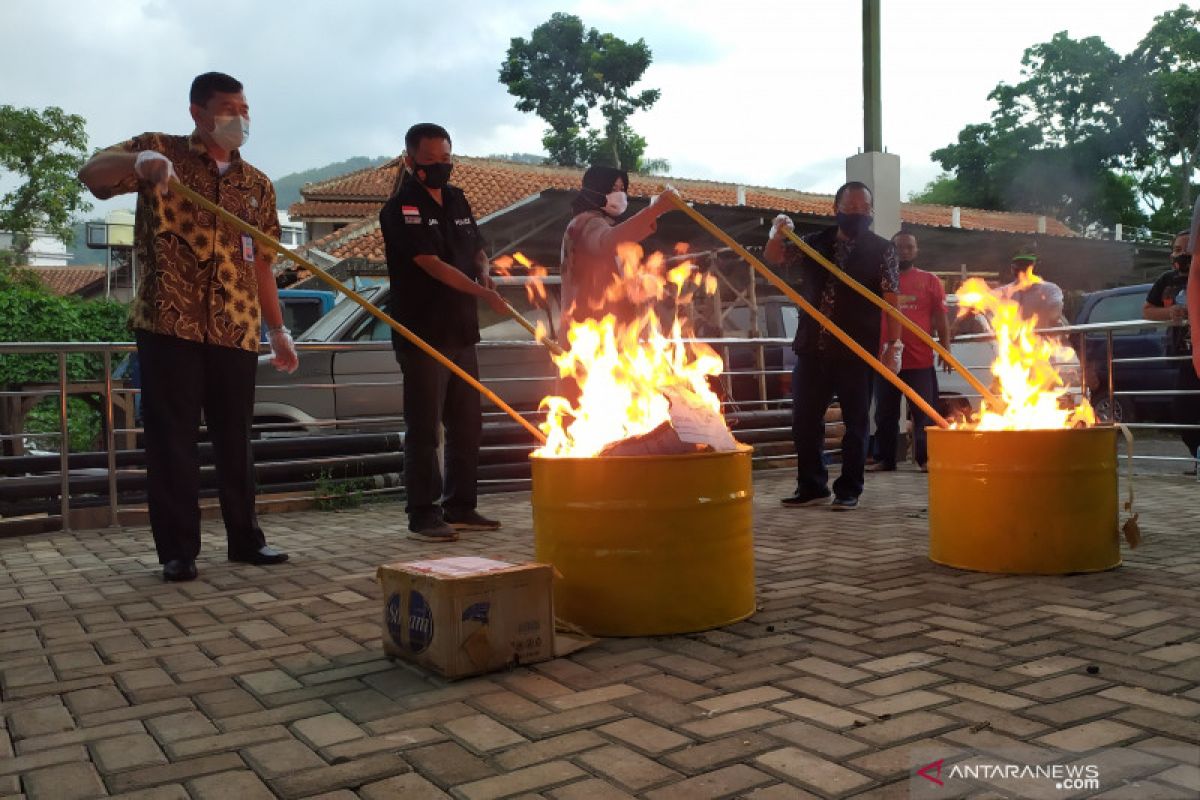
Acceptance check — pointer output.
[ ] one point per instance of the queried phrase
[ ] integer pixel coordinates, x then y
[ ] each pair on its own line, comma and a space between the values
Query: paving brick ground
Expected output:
256, 682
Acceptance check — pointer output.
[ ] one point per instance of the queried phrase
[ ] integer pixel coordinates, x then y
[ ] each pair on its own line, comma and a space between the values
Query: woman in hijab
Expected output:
589, 247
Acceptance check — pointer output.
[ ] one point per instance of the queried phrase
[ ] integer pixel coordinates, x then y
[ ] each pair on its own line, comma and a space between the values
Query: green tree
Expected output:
43, 151
1053, 145
942, 191
1088, 135
563, 73
1161, 106
29, 312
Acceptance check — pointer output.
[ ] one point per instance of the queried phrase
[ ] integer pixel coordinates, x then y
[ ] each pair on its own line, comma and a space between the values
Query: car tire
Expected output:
1104, 408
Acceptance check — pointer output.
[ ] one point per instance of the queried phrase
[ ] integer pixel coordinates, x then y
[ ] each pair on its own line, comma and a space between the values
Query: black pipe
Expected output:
301, 460
264, 450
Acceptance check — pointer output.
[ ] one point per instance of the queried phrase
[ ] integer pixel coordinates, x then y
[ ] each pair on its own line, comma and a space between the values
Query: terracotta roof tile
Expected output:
981, 219
333, 209
67, 280
492, 185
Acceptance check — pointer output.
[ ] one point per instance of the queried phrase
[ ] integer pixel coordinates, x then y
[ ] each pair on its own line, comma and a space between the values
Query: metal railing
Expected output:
115, 394
754, 384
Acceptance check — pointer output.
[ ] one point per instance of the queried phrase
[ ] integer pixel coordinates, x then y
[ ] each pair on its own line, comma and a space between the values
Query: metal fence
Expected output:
755, 387
763, 422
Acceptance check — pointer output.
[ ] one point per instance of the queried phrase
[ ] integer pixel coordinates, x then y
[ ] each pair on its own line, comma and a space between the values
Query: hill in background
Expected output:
287, 188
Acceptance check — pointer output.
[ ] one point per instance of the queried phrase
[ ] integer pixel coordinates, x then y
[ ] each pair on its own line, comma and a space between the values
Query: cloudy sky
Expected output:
765, 93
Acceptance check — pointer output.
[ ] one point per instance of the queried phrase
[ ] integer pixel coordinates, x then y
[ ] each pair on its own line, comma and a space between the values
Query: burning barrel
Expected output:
647, 545
1025, 502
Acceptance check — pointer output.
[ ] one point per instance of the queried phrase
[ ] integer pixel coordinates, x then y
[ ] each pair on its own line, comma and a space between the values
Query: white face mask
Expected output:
231, 132
616, 203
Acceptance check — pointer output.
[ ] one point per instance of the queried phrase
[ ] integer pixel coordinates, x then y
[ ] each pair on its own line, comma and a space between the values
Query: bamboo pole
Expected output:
551, 345
895, 313
825, 322
272, 245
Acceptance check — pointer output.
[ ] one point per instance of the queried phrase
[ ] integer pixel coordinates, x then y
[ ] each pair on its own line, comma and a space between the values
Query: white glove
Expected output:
893, 355
154, 167
283, 350
781, 221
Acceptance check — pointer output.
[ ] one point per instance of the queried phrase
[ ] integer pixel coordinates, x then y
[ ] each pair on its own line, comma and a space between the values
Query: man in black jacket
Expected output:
824, 366
1167, 302
438, 272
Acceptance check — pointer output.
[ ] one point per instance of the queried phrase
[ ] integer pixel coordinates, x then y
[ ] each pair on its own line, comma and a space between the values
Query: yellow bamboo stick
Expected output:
551, 345
895, 313
825, 322
272, 245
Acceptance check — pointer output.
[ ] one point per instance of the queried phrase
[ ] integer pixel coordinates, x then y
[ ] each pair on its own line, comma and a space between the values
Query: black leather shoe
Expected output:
178, 569
263, 556
801, 498
468, 519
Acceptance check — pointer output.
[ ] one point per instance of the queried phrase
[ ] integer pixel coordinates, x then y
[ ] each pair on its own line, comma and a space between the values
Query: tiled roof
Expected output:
371, 182
492, 185
980, 219
333, 209
67, 280
360, 238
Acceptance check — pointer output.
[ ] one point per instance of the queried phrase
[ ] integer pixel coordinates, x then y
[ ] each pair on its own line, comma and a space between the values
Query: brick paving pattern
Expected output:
259, 682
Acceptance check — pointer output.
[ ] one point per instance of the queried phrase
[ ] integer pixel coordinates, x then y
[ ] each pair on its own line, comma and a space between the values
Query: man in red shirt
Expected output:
923, 300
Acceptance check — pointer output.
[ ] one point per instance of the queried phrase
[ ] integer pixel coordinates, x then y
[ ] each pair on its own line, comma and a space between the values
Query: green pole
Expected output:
872, 92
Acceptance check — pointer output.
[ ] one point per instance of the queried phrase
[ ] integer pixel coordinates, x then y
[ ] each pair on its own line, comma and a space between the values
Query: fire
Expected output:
535, 288
1033, 391
636, 374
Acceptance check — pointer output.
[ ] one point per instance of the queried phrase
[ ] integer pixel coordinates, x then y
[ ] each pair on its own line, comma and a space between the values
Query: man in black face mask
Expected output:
438, 272
824, 366
1167, 301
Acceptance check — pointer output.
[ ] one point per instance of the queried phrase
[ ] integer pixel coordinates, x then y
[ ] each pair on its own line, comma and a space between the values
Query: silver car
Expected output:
348, 377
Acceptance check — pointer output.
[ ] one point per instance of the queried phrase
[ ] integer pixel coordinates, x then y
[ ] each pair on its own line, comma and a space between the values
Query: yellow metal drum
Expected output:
1038, 502
647, 545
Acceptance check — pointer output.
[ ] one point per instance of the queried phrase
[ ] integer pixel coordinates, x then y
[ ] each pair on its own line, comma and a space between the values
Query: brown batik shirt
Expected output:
197, 275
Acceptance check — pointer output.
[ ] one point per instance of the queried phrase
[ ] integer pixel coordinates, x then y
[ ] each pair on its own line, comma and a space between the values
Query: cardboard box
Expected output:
466, 616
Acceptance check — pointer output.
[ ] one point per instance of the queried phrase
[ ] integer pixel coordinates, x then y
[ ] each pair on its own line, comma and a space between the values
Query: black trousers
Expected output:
816, 379
887, 413
436, 399
181, 379
1186, 408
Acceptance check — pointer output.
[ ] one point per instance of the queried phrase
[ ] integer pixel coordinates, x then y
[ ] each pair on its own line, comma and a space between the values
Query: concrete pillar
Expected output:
881, 172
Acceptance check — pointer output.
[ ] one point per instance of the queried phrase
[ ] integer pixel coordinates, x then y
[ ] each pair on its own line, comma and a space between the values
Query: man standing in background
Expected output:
1167, 302
824, 366
923, 300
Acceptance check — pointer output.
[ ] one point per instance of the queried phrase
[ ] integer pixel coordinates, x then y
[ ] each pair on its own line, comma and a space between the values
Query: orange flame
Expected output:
1026, 367
535, 288
634, 374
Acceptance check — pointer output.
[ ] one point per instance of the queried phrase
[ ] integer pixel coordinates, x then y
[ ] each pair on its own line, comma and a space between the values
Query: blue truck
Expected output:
302, 307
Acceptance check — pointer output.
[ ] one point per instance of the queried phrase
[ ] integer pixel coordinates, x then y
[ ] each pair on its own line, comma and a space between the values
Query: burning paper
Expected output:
1034, 393
634, 374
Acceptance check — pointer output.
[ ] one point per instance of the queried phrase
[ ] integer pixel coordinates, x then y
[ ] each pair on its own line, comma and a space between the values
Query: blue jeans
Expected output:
815, 381
887, 413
